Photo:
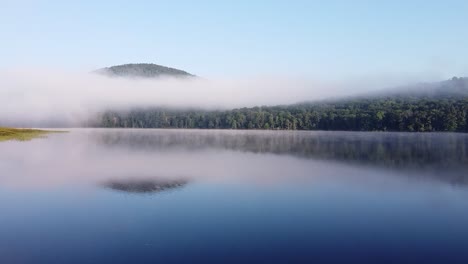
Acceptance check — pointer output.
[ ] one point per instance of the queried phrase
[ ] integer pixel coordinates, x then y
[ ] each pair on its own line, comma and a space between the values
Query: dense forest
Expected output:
378, 114
439, 106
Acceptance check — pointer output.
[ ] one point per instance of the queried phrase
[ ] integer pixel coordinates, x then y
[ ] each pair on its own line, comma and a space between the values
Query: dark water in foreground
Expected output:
164, 196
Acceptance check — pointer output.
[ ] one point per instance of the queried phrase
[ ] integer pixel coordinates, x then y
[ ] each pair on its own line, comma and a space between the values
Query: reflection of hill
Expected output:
144, 186
393, 150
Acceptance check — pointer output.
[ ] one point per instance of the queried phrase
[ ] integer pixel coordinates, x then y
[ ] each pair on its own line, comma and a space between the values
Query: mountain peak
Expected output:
143, 70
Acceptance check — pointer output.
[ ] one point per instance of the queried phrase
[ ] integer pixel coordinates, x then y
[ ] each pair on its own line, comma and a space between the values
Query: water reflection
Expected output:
242, 196
94, 156
415, 150
443, 156
144, 185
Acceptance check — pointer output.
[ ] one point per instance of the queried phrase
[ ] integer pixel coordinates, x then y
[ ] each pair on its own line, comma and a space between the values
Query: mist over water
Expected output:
271, 195
92, 156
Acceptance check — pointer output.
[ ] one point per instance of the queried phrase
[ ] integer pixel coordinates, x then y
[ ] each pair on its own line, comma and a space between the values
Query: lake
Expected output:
212, 196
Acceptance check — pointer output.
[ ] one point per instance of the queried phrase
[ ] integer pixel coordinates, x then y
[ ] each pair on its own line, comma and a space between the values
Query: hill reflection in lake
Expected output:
144, 186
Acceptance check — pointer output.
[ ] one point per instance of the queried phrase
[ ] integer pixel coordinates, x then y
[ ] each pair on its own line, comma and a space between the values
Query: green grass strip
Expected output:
21, 134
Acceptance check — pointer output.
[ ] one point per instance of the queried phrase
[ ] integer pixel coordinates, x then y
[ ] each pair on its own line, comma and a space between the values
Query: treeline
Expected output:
378, 114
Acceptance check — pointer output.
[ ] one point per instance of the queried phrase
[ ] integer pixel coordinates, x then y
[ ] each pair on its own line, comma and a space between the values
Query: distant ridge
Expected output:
456, 87
143, 70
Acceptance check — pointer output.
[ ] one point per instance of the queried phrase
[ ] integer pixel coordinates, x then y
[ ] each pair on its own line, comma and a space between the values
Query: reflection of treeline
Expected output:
380, 114
394, 150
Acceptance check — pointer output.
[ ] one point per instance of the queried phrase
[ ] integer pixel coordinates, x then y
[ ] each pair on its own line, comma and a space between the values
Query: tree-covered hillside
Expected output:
143, 70
356, 115
440, 106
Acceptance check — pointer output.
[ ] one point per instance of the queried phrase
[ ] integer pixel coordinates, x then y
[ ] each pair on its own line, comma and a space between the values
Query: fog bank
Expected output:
54, 98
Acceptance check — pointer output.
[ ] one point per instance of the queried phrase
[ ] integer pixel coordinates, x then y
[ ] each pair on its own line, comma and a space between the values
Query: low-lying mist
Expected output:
57, 98
150, 161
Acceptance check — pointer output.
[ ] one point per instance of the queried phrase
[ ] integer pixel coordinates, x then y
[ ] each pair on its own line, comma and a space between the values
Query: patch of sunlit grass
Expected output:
21, 134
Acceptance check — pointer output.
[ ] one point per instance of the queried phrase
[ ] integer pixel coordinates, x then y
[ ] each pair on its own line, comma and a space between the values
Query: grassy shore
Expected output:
20, 134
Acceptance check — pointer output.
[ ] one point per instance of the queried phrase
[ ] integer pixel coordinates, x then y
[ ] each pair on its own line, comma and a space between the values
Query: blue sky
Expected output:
224, 38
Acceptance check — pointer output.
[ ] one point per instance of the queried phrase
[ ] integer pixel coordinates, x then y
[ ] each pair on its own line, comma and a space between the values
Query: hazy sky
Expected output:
238, 38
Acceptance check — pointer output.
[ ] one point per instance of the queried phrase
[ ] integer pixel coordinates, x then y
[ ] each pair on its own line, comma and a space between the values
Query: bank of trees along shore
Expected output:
381, 114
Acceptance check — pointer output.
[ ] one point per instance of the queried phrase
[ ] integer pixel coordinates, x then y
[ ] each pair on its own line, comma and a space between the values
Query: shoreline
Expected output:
23, 134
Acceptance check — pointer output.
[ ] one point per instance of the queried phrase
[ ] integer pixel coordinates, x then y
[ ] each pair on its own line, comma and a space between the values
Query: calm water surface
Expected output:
185, 196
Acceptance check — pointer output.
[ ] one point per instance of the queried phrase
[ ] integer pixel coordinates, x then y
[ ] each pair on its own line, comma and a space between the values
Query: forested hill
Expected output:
143, 70
441, 107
